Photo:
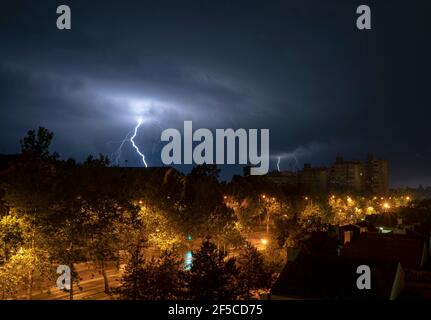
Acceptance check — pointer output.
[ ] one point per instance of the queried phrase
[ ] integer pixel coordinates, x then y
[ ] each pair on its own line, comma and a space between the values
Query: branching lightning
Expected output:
117, 153
296, 165
292, 162
130, 136
134, 145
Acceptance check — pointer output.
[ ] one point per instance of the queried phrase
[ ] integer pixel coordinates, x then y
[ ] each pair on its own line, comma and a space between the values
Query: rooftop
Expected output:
408, 250
333, 277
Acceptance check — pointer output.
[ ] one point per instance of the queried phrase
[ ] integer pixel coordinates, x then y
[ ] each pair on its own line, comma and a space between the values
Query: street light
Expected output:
386, 206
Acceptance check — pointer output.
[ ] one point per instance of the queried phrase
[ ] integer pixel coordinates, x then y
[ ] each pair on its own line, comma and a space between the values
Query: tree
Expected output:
29, 187
213, 276
255, 274
102, 203
204, 212
89, 214
14, 273
157, 227
37, 144
13, 235
154, 279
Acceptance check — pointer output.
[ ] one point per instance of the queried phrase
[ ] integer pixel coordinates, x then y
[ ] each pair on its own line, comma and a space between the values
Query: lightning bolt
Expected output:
134, 145
117, 153
292, 162
130, 136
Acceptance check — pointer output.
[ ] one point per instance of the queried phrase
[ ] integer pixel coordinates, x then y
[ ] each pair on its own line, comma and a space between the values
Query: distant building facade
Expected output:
313, 179
284, 178
346, 175
370, 176
376, 174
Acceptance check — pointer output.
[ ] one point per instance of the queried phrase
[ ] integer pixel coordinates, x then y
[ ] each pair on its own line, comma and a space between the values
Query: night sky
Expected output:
300, 68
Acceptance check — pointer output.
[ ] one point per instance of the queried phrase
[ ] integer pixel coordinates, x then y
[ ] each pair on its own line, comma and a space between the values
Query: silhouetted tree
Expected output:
154, 279
255, 274
37, 143
204, 212
213, 276
30, 187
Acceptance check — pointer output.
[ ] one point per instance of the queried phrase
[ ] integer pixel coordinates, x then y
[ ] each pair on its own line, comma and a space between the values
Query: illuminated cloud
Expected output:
322, 90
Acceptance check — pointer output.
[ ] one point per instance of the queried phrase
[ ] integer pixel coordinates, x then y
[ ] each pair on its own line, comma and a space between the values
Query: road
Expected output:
91, 285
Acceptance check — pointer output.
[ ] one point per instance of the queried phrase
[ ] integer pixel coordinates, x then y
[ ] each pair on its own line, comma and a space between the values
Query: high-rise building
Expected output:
376, 179
284, 178
346, 175
313, 179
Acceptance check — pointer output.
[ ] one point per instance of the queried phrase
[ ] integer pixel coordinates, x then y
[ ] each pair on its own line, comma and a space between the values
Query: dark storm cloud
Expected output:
299, 68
